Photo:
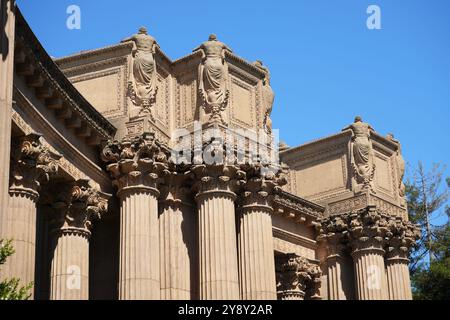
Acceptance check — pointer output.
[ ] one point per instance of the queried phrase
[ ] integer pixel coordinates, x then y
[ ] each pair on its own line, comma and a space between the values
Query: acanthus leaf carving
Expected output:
297, 278
32, 164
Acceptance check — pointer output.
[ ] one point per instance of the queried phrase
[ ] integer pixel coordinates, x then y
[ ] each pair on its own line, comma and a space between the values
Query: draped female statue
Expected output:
213, 73
144, 69
362, 153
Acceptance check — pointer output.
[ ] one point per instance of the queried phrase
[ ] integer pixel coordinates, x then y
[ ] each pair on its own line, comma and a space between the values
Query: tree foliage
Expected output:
10, 289
430, 261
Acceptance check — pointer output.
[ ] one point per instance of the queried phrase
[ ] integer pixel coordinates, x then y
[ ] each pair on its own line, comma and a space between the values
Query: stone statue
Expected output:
267, 97
143, 90
400, 169
362, 153
213, 73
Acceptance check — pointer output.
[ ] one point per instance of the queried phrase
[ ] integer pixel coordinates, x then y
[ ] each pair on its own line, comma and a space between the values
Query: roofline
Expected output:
23, 29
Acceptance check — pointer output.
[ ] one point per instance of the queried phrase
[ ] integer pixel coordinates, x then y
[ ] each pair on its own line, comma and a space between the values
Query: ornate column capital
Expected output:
217, 179
76, 206
297, 277
136, 163
260, 185
368, 230
32, 165
402, 236
333, 231
175, 188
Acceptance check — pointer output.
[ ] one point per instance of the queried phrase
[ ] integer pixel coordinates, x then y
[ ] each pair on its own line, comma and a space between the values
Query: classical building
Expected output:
104, 198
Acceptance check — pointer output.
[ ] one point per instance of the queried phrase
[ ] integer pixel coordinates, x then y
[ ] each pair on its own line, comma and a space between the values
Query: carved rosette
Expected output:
77, 205
32, 165
136, 162
297, 278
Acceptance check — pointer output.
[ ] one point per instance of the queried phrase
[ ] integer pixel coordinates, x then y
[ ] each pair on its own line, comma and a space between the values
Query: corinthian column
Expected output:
219, 279
136, 165
32, 165
7, 33
178, 245
368, 230
297, 278
255, 238
75, 209
332, 232
403, 236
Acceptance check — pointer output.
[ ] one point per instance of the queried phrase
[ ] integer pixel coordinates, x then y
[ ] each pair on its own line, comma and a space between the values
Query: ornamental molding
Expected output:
73, 162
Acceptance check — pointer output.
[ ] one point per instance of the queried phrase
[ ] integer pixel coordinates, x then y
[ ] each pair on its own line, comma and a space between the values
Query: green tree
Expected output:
425, 196
430, 261
9, 288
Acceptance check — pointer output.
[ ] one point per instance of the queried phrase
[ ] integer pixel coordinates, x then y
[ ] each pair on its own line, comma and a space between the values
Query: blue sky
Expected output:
326, 65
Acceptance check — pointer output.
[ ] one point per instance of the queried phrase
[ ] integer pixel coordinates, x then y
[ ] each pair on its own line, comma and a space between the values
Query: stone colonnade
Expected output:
75, 205
378, 244
232, 245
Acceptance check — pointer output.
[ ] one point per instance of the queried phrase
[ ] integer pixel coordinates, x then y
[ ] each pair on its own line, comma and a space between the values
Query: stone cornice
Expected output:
300, 206
92, 53
330, 138
51, 84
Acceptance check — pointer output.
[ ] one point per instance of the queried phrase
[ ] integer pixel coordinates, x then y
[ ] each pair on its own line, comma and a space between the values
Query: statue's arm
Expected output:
200, 48
128, 39
347, 128
155, 46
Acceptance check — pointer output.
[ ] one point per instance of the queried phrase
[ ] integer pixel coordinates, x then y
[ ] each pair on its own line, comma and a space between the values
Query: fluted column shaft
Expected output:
256, 256
339, 276
139, 277
336, 271
32, 165
76, 206
7, 35
70, 265
20, 225
137, 166
217, 246
398, 278
370, 276
177, 250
